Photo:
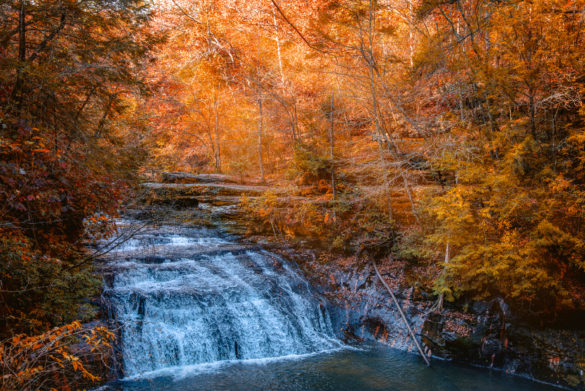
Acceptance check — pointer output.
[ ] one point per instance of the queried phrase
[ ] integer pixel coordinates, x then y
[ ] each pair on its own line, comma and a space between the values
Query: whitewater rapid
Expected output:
182, 297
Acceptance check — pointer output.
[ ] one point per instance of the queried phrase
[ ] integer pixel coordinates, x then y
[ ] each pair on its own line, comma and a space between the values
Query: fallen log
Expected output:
186, 177
206, 188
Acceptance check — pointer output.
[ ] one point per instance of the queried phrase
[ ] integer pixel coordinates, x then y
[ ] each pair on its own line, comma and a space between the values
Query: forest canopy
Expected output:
453, 130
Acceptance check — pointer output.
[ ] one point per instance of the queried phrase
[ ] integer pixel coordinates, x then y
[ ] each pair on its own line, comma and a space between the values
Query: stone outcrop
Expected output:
485, 334
489, 335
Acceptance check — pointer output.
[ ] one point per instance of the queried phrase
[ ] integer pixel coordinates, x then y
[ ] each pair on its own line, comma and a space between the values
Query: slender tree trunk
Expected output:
260, 139
85, 102
211, 141
217, 142
404, 319
331, 145
439, 305
295, 129
101, 124
18, 85
554, 132
532, 112
411, 33
22, 32
278, 51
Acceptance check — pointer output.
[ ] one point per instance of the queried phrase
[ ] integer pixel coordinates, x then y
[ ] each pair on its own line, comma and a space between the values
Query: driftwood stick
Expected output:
402, 314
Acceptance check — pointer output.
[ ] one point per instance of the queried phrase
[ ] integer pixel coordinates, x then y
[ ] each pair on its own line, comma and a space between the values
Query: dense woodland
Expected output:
448, 134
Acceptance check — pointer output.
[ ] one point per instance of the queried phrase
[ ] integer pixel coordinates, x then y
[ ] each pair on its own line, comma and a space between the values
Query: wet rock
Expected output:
487, 338
176, 202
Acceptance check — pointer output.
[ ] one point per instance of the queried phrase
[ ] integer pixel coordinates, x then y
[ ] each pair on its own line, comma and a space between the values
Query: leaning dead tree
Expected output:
423, 355
395, 300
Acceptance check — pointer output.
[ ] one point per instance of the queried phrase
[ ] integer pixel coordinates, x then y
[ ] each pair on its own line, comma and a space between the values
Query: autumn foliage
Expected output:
450, 133
512, 213
70, 76
46, 362
447, 134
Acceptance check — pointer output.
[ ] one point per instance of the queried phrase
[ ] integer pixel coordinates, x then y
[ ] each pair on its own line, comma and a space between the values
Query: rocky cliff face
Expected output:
489, 335
485, 334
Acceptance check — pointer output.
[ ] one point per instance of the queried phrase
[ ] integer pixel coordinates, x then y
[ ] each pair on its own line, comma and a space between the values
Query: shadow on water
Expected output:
371, 369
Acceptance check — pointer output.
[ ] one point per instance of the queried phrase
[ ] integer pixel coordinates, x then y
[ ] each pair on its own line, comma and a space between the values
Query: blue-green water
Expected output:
368, 369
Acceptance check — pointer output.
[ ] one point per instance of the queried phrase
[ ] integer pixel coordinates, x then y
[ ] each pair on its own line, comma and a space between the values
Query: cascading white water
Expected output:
186, 296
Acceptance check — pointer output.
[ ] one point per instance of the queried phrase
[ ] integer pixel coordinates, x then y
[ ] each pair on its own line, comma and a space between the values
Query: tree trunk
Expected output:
18, 85
278, 51
217, 142
260, 140
532, 112
331, 144
296, 135
420, 350
22, 32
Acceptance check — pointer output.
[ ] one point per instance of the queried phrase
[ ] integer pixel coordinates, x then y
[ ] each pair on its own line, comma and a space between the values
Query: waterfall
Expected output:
186, 296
